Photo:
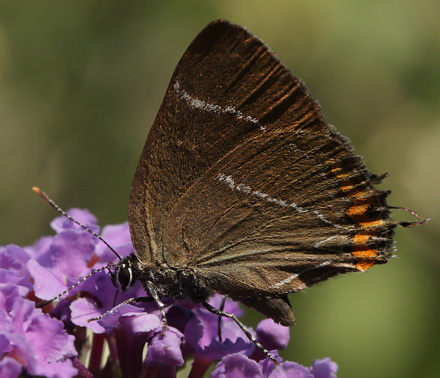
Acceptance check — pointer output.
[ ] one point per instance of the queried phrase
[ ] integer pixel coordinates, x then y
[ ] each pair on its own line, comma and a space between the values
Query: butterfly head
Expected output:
125, 273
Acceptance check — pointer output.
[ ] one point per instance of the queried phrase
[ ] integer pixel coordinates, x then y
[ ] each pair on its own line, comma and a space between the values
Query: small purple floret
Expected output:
273, 335
324, 368
239, 365
31, 340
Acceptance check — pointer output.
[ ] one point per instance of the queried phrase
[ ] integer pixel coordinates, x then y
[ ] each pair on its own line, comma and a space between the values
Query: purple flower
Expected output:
29, 339
324, 368
241, 366
237, 365
165, 350
13, 262
272, 335
42, 344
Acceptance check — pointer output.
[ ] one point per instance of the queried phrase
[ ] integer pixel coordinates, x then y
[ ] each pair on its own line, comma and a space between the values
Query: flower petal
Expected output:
237, 366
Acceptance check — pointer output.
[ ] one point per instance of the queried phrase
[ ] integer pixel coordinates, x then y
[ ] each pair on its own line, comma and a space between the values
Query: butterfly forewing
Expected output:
242, 180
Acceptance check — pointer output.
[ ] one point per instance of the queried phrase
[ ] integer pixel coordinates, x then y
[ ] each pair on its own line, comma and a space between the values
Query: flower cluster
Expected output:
53, 341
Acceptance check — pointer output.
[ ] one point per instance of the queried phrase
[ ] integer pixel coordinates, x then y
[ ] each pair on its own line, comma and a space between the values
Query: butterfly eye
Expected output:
124, 277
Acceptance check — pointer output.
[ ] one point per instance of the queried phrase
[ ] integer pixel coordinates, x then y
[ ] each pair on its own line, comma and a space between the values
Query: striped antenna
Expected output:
52, 203
45, 303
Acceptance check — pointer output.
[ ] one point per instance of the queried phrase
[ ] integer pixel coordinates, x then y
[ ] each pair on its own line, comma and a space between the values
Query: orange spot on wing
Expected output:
372, 223
365, 253
361, 238
347, 188
357, 210
361, 195
366, 260
365, 264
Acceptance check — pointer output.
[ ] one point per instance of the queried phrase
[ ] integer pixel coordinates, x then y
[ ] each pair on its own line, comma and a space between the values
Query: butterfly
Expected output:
244, 190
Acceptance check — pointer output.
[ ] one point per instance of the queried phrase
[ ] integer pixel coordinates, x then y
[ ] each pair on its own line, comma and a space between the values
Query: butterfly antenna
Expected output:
51, 202
45, 303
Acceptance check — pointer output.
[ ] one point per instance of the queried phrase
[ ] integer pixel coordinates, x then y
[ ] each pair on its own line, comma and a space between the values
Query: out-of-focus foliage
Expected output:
80, 84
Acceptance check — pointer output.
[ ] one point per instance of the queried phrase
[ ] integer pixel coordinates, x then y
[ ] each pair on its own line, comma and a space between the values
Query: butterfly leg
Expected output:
243, 328
128, 301
219, 326
154, 296
153, 292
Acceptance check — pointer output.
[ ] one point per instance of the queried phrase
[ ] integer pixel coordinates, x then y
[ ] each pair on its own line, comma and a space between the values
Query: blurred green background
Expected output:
81, 82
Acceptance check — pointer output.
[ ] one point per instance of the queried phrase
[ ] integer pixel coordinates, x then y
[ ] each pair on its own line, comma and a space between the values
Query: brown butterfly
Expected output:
243, 189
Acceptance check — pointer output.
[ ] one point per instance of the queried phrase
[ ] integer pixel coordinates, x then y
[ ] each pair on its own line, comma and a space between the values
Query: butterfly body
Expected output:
169, 282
